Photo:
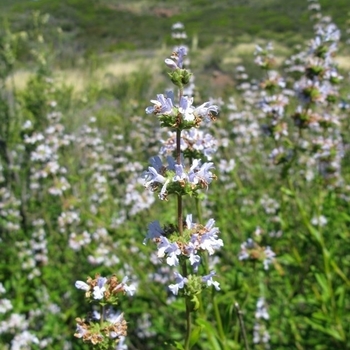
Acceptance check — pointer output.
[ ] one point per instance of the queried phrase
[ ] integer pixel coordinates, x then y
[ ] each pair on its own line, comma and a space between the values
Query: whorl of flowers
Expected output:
196, 238
106, 328
175, 178
105, 289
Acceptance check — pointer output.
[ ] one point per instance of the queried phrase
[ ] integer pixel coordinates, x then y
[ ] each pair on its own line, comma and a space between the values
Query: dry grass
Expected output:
79, 79
343, 62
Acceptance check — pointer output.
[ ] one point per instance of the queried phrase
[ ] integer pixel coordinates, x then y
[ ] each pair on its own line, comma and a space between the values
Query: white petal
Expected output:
82, 285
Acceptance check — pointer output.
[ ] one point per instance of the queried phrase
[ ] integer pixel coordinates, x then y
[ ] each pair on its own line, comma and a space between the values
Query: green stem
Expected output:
198, 210
102, 310
218, 319
188, 311
180, 230
188, 323
241, 324
179, 197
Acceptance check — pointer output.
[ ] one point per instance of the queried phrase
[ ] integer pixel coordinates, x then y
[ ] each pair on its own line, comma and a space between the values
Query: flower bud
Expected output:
171, 63
180, 77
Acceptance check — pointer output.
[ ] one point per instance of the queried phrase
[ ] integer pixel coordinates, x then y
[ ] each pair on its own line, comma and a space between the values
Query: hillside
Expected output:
97, 26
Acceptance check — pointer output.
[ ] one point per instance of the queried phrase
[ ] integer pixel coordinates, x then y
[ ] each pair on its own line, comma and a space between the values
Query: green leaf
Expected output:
196, 331
179, 346
340, 292
321, 279
340, 272
211, 332
287, 192
320, 316
326, 329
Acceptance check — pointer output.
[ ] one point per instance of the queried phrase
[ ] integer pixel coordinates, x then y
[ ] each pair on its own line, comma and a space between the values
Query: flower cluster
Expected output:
178, 31
175, 178
260, 332
273, 101
181, 116
22, 327
10, 216
311, 90
105, 289
112, 331
44, 150
194, 144
104, 328
251, 250
184, 173
195, 238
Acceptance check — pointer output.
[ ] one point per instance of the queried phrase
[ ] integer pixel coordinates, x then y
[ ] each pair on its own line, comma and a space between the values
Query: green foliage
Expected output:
109, 26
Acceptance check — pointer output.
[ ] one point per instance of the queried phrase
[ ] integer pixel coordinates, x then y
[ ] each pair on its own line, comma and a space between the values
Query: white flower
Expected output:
100, 288
82, 285
180, 283
210, 282
129, 289
319, 221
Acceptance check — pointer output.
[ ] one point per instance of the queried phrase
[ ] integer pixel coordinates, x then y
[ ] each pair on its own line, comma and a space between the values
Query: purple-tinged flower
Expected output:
169, 145
180, 283
154, 231
207, 111
129, 289
121, 344
261, 310
269, 257
186, 109
163, 192
261, 335
180, 174
80, 331
189, 222
209, 241
200, 175
156, 163
245, 247
152, 177
171, 63
163, 105
274, 105
208, 279
171, 249
171, 163
82, 285
181, 53
100, 288
191, 251
114, 316
177, 58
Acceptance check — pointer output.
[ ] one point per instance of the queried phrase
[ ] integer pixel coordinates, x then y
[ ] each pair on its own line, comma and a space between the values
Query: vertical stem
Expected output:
241, 324
179, 214
180, 228
188, 313
218, 319
178, 161
199, 210
179, 197
102, 314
